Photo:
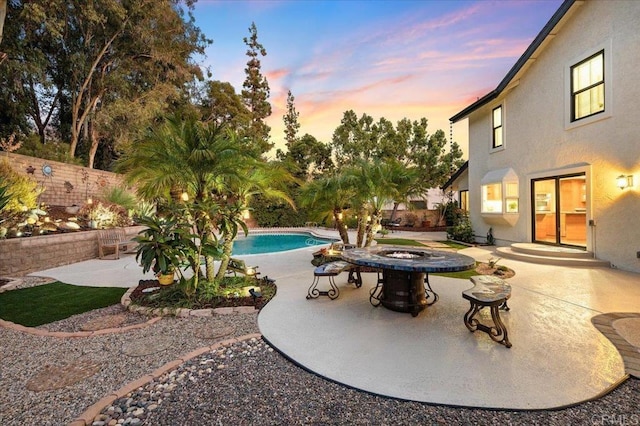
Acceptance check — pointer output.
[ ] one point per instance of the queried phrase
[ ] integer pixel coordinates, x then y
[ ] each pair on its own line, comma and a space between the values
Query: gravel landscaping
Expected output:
245, 383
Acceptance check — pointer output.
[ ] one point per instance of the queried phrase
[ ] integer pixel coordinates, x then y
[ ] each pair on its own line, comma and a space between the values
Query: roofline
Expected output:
455, 176
535, 44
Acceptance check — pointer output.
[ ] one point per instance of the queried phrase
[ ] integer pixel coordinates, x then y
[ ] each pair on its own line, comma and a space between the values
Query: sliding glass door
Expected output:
559, 210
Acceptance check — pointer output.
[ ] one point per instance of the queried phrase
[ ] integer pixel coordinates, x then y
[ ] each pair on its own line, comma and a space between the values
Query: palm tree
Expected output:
202, 160
376, 184
266, 179
328, 198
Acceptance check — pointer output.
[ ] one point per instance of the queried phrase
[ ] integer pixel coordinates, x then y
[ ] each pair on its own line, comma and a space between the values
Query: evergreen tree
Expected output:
256, 93
291, 125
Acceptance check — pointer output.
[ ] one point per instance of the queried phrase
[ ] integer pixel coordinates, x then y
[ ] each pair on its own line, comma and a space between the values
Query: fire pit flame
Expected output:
402, 255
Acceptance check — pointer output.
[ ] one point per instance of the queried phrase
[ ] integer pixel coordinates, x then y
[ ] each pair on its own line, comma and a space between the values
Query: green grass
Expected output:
47, 303
465, 275
451, 244
399, 242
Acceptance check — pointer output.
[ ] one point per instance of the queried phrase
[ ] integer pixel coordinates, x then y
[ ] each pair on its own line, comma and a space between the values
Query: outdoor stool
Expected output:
492, 292
329, 270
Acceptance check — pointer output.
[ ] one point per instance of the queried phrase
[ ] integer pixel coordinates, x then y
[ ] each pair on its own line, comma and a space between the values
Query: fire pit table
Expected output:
403, 283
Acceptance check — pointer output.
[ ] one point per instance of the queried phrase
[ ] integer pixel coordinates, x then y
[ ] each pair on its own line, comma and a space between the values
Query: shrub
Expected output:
55, 151
22, 190
462, 231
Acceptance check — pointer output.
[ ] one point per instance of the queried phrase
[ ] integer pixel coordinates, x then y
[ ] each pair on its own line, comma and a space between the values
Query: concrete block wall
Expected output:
22, 256
68, 184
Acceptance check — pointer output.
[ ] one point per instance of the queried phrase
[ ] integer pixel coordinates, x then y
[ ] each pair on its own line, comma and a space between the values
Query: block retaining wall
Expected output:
22, 256
68, 184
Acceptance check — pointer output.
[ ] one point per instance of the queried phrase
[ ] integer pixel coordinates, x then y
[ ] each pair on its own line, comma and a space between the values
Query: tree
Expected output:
221, 104
189, 156
3, 15
328, 199
375, 183
307, 158
255, 94
291, 125
409, 142
78, 58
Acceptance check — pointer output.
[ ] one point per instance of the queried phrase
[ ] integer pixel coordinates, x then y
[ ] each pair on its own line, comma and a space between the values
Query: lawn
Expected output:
399, 242
48, 303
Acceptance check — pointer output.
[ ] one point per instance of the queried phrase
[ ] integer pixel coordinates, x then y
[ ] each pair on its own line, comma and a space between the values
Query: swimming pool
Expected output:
270, 243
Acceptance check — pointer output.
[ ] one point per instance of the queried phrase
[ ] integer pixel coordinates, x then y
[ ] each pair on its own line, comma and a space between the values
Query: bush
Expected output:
54, 151
462, 231
22, 190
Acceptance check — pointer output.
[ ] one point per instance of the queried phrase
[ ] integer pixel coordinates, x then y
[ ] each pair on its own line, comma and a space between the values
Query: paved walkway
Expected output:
558, 357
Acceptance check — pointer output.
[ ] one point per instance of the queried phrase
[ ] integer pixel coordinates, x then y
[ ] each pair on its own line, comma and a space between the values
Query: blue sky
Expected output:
389, 59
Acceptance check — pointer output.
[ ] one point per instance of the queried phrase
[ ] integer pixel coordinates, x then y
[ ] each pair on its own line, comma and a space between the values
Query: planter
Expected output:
426, 224
165, 279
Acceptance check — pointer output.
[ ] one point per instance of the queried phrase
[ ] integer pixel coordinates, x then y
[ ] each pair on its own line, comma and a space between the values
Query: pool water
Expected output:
269, 243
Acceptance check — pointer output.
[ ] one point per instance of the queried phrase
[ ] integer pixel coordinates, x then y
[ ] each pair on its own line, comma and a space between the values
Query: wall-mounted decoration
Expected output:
68, 186
31, 170
47, 170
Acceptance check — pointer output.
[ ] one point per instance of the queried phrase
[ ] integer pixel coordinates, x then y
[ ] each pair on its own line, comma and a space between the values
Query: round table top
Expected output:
412, 259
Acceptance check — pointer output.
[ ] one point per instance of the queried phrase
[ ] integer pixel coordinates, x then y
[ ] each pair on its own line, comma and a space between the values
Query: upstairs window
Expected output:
497, 127
587, 87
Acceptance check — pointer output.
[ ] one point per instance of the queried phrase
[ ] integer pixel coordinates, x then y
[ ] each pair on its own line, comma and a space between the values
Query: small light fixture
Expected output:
184, 196
623, 181
246, 214
89, 200
340, 216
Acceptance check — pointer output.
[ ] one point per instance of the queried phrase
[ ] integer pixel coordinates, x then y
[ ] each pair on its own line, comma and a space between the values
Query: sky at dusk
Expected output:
391, 59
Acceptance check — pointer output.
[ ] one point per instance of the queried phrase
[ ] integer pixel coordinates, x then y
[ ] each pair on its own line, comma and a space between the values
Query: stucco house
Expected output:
554, 150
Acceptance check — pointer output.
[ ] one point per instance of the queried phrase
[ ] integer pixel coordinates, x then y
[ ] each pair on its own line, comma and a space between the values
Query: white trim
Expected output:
607, 46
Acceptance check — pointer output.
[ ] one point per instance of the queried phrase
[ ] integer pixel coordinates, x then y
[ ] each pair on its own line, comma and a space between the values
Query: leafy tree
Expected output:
222, 105
307, 158
255, 94
3, 15
93, 68
409, 142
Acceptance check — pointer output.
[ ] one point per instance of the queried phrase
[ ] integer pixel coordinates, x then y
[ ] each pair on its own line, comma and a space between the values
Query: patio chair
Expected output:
238, 266
113, 239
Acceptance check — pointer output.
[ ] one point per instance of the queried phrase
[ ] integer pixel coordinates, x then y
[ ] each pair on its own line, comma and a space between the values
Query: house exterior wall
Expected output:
539, 142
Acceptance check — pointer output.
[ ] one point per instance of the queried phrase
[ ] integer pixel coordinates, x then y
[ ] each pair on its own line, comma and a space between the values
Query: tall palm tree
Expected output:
203, 160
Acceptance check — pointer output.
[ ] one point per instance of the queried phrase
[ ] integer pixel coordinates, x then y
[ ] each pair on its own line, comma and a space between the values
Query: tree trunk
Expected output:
95, 140
362, 226
372, 228
3, 14
227, 248
342, 230
395, 210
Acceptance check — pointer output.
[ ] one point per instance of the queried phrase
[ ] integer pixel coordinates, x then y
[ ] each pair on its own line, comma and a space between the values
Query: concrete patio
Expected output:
558, 357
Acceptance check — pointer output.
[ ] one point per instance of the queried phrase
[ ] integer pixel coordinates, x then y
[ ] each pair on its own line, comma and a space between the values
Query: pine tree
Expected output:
291, 122
256, 93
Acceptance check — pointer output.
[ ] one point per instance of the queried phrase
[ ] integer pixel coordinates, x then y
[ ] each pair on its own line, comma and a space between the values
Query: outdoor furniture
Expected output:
238, 266
329, 270
492, 292
391, 224
403, 285
113, 239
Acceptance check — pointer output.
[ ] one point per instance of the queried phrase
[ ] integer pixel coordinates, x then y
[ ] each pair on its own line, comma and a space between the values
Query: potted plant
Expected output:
159, 247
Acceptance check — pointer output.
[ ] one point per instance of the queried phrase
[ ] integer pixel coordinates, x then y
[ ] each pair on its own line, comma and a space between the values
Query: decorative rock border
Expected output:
181, 312
87, 418
13, 283
64, 334
630, 354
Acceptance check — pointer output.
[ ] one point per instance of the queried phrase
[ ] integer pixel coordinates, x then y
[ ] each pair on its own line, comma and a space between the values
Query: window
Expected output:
464, 200
587, 87
497, 127
492, 198
511, 197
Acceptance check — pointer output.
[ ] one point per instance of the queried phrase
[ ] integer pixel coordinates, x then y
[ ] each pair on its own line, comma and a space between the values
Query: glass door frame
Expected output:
558, 233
